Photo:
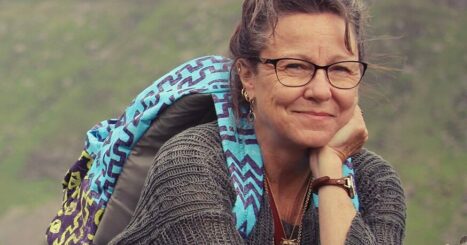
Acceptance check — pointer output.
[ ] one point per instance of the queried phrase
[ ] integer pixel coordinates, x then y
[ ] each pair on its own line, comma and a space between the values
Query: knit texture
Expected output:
188, 199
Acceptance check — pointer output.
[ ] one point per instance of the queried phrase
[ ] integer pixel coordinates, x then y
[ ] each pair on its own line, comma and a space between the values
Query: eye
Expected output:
294, 66
341, 68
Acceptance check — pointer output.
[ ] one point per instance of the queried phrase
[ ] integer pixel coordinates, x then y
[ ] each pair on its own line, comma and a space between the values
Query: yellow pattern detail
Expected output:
87, 156
75, 232
55, 226
70, 209
75, 180
98, 216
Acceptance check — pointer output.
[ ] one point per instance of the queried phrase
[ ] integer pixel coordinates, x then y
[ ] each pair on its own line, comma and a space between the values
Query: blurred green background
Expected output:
66, 65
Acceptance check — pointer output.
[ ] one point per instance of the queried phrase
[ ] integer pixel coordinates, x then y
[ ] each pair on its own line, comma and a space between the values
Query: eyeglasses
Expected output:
292, 72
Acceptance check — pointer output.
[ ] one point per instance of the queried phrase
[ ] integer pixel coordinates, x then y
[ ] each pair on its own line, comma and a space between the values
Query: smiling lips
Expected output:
316, 114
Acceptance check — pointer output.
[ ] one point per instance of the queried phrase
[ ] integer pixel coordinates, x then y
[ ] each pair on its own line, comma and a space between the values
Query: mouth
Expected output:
317, 115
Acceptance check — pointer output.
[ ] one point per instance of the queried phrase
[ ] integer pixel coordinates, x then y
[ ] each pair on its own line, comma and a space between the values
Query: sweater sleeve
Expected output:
381, 219
187, 197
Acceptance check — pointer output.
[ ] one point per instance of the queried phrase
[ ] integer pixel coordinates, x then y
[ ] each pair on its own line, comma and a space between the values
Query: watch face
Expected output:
351, 192
349, 185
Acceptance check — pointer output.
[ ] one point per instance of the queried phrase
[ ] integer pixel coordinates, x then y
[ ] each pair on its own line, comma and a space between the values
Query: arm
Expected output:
336, 211
187, 197
383, 218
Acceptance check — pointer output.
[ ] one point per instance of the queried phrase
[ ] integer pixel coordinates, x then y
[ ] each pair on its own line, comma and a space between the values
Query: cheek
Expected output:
346, 101
268, 92
276, 98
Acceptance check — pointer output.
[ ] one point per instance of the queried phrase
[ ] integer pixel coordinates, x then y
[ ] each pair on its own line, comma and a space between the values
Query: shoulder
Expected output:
194, 155
187, 191
190, 160
199, 142
201, 138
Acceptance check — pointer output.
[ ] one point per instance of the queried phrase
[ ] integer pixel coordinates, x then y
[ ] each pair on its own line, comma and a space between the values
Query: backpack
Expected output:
102, 188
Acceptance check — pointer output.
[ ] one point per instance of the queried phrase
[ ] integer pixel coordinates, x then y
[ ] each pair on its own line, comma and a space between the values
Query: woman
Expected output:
297, 68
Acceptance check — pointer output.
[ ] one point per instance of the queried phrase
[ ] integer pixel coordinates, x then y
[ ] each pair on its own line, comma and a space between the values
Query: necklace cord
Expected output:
279, 231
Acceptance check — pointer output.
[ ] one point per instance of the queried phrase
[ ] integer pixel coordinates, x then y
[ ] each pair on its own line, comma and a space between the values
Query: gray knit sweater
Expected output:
188, 198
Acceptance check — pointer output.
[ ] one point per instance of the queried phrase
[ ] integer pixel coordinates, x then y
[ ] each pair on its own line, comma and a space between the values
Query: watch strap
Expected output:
345, 183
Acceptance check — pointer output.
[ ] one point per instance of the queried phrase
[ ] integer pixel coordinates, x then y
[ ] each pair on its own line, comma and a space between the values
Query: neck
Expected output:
285, 163
287, 168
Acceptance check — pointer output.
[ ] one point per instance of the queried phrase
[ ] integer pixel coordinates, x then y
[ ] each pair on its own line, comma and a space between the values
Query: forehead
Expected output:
316, 37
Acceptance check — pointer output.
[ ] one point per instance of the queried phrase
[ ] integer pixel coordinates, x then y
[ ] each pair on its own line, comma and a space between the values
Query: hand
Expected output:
347, 141
350, 138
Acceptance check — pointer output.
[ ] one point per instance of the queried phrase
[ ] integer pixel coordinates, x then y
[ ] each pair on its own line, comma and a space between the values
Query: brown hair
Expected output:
258, 22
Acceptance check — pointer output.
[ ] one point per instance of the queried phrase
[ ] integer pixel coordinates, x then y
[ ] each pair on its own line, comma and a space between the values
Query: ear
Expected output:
247, 76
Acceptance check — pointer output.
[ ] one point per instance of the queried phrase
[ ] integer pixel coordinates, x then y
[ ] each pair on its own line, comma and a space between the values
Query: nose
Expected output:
319, 88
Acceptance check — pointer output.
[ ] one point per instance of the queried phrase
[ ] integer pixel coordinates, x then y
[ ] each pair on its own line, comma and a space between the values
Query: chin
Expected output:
314, 139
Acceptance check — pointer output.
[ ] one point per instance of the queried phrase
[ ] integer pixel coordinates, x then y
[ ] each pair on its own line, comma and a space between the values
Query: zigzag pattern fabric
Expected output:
244, 162
90, 182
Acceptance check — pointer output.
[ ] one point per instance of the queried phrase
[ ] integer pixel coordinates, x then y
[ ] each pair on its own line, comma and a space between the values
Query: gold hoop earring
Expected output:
245, 95
251, 114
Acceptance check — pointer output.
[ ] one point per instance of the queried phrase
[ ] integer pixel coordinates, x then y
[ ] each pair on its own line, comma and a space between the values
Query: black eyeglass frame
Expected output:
316, 67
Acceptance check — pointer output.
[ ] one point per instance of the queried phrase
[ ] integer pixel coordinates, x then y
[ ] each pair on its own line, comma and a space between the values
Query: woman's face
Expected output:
307, 116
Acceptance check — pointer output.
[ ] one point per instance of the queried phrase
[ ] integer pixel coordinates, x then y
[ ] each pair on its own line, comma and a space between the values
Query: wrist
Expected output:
346, 183
330, 164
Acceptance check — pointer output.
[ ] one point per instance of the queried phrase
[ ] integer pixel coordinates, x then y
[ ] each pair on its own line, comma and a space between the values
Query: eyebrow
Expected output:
333, 59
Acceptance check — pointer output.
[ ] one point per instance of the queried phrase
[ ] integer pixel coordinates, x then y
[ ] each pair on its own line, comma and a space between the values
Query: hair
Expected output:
259, 20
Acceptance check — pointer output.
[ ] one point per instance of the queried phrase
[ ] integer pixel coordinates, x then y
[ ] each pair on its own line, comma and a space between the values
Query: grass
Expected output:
67, 65
75, 68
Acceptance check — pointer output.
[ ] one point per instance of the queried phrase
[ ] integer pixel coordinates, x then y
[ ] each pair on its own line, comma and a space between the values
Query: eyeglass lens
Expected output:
291, 72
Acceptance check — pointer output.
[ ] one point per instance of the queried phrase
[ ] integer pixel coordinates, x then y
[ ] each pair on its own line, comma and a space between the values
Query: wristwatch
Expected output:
345, 183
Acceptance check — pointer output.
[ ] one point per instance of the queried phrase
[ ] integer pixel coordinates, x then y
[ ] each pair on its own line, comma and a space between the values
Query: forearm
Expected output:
336, 210
380, 195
